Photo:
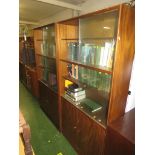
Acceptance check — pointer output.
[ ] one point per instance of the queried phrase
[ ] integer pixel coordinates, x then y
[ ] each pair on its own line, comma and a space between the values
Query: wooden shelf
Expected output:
46, 39
93, 67
46, 56
108, 38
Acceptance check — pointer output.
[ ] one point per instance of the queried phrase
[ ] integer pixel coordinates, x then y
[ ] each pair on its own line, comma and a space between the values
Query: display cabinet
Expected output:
95, 53
27, 63
46, 63
26, 51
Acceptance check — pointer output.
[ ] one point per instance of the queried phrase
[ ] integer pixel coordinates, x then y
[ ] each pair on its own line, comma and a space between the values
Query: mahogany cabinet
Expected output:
83, 133
22, 72
120, 137
49, 102
32, 82
84, 43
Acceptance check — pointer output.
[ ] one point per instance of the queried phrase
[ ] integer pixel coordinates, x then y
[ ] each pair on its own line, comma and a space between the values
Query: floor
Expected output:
45, 138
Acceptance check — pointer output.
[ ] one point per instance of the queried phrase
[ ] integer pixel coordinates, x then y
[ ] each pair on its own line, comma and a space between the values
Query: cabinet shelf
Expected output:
108, 38
86, 86
44, 67
49, 57
93, 67
46, 39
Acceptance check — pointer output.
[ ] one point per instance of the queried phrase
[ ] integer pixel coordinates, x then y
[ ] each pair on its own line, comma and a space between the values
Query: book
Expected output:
75, 99
70, 51
76, 72
101, 56
70, 99
74, 88
91, 105
76, 94
73, 70
110, 55
106, 52
69, 69
92, 55
97, 56
31, 55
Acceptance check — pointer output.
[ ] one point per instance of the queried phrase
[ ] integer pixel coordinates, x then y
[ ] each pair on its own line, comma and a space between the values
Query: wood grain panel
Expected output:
122, 62
38, 36
121, 135
86, 136
49, 103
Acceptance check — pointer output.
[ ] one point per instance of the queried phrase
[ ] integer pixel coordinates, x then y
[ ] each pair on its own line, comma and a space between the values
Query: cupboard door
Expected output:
44, 95
86, 136
91, 136
34, 83
69, 123
53, 108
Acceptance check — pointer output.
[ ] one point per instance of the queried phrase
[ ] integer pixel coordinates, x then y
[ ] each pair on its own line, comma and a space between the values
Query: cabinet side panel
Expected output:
122, 62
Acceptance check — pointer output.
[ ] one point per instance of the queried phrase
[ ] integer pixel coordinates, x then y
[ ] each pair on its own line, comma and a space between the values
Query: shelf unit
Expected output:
46, 63
27, 63
26, 51
95, 52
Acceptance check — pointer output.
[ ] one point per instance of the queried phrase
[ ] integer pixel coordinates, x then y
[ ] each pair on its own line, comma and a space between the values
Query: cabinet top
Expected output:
125, 126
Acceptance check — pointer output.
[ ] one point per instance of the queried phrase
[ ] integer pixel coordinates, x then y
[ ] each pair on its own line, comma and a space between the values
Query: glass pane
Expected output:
48, 45
93, 94
98, 55
99, 26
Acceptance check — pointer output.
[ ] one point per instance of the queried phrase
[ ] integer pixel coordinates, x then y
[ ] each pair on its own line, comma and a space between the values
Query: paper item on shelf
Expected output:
110, 55
92, 55
53, 50
91, 105
76, 71
73, 70
106, 52
75, 99
76, 94
102, 56
97, 55
41, 46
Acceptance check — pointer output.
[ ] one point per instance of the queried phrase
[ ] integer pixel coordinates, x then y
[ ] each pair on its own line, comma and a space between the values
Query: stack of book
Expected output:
75, 93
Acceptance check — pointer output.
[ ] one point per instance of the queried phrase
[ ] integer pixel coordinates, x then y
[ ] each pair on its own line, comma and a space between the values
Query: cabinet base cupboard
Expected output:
83, 133
49, 102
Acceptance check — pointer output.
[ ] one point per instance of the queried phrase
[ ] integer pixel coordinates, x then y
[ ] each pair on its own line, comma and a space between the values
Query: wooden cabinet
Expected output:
46, 65
31, 80
49, 103
83, 44
22, 72
84, 134
120, 137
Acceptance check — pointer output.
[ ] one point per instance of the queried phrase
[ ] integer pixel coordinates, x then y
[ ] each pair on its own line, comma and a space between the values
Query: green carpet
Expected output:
45, 138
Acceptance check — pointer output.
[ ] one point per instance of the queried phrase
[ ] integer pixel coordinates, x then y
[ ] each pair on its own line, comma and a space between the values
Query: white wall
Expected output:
66, 14
130, 104
94, 5
87, 7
